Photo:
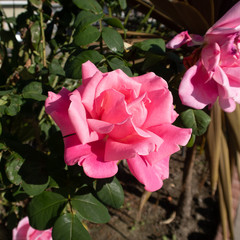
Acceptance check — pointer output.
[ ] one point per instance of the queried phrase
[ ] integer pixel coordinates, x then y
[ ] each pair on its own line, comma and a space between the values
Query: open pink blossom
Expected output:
216, 73
112, 117
25, 232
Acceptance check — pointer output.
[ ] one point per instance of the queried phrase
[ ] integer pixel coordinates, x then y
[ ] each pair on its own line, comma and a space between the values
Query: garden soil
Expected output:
159, 218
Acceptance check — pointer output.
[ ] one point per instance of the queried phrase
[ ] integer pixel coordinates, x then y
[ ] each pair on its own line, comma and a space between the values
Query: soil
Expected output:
159, 218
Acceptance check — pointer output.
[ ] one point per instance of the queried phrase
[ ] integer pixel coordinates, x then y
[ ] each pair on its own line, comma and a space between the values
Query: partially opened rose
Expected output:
25, 232
112, 117
216, 74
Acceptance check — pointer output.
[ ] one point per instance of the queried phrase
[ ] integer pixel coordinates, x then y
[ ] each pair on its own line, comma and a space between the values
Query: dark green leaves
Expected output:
55, 68
36, 3
90, 208
85, 18
112, 39
156, 46
85, 36
44, 209
114, 22
73, 66
123, 4
110, 192
34, 91
34, 189
10, 105
198, 120
14, 162
89, 5
69, 227
116, 63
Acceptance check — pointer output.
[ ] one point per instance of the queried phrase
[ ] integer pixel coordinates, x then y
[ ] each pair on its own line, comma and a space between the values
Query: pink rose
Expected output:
216, 73
111, 117
25, 232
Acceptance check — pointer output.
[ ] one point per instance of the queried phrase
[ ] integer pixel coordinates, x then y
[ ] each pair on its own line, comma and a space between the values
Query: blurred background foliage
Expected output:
42, 50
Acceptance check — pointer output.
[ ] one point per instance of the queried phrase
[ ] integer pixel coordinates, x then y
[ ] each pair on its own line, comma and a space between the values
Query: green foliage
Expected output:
44, 209
90, 208
86, 35
113, 39
34, 91
89, 5
110, 192
73, 66
69, 227
198, 120
53, 47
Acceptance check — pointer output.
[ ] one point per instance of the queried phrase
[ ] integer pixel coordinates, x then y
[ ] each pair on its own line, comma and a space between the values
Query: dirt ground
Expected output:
158, 220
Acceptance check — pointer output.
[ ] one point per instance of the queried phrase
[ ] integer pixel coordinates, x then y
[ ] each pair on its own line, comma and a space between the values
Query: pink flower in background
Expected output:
112, 117
25, 232
216, 74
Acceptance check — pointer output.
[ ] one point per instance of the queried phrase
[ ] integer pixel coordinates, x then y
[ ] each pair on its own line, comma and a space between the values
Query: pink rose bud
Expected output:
112, 117
216, 73
25, 232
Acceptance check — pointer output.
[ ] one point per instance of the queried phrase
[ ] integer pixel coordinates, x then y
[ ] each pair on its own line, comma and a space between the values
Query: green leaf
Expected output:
6, 92
112, 39
34, 91
156, 46
198, 120
123, 4
114, 22
44, 209
14, 163
36, 3
69, 227
73, 66
55, 68
90, 208
34, 189
110, 192
116, 63
35, 34
85, 18
89, 5
191, 141
15, 105
86, 36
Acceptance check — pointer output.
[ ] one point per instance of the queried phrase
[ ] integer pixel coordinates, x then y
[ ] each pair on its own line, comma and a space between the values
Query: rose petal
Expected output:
74, 150
126, 129
151, 176
221, 78
196, 89
179, 40
138, 110
88, 71
133, 145
119, 81
211, 56
229, 23
172, 137
99, 126
94, 165
77, 115
150, 82
88, 92
20, 232
111, 107
56, 106
227, 104
160, 102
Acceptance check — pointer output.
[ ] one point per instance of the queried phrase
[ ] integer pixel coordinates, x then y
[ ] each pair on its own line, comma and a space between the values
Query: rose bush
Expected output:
25, 232
216, 73
112, 117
